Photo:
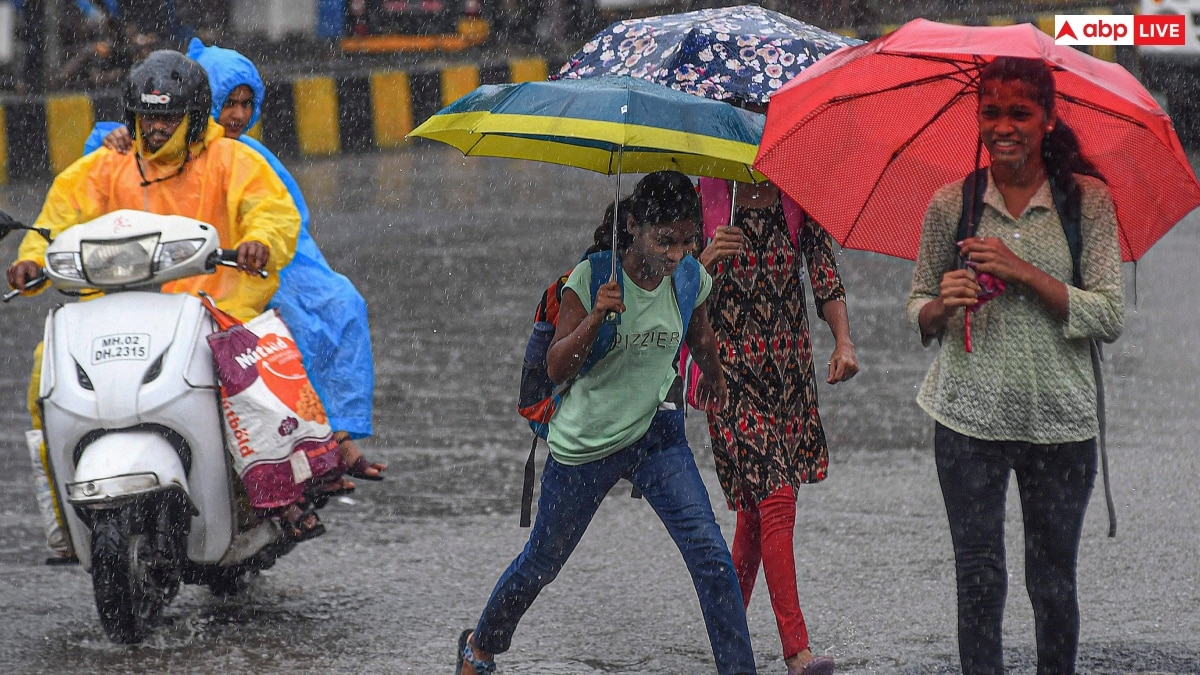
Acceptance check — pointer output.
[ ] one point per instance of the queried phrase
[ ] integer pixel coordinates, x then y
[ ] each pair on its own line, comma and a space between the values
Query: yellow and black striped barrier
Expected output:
320, 115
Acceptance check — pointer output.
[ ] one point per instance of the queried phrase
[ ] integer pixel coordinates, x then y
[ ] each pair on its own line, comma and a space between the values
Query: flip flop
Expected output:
320, 495
294, 529
458, 653
359, 469
464, 656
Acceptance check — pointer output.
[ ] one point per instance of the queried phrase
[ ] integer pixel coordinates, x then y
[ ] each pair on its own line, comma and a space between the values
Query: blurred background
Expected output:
48, 45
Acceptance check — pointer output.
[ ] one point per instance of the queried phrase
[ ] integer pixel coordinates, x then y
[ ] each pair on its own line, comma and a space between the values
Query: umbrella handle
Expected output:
733, 202
967, 331
612, 316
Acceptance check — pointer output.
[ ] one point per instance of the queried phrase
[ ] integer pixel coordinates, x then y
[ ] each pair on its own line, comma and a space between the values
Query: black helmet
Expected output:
169, 83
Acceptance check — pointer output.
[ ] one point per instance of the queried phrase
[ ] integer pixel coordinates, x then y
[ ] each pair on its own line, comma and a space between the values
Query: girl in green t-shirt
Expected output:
616, 421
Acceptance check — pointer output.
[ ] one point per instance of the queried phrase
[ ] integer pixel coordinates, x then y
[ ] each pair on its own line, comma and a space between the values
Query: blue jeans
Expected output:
660, 464
1055, 482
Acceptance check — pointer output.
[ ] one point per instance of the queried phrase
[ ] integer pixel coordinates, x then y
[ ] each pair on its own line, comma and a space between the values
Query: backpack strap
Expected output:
1069, 206
686, 281
601, 264
973, 187
794, 216
601, 272
1070, 212
527, 483
716, 203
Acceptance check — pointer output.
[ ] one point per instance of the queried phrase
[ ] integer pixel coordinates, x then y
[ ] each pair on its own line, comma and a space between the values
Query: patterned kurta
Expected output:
769, 436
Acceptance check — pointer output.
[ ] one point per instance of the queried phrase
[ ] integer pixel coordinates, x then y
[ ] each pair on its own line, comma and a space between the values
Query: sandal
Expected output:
359, 466
303, 526
321, 493
359, 469
819, 665
464, 656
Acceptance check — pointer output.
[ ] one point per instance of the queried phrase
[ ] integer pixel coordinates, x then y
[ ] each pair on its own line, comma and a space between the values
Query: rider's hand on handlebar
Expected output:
252, 256
118, 140
22, 272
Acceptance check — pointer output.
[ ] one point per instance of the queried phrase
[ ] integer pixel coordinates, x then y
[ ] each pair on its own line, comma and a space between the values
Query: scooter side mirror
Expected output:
8, 224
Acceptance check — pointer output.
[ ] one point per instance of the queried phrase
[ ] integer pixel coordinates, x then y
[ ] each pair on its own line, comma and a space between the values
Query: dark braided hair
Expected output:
1060, 148
659, 197
602, 237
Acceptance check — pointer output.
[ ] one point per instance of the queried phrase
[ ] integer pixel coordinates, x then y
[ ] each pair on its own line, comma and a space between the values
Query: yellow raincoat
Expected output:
225, 184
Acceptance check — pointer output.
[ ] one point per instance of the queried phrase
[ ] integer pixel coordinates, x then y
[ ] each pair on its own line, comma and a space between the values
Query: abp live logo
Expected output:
1120, 29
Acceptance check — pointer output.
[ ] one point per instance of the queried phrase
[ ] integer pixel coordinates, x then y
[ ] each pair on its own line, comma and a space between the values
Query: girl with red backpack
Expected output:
623, 418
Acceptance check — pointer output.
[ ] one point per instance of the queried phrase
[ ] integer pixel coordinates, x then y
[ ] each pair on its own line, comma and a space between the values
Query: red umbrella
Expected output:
864, 137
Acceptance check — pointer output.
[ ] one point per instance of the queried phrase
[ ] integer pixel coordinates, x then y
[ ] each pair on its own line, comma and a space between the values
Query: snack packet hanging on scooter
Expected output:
275, 425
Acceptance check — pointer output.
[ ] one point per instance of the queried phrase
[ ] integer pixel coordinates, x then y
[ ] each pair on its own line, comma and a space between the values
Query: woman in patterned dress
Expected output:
767, 440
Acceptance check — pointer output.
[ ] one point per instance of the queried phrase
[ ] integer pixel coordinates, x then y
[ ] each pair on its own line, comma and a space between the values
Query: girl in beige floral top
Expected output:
1024, 399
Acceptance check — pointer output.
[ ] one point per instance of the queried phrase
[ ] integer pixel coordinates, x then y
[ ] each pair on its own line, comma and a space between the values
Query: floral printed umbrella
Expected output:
744, 53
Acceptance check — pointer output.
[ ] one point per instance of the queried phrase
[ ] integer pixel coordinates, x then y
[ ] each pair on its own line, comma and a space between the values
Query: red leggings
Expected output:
764, 534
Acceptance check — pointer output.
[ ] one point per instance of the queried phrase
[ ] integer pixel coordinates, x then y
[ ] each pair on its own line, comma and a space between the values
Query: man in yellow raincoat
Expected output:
182, 165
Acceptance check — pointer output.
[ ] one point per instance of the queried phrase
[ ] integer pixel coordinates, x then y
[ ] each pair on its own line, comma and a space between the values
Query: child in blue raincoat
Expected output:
323, 309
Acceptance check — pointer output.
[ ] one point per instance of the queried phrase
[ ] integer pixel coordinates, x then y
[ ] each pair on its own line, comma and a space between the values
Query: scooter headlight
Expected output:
65, 265
119, 262
172, 253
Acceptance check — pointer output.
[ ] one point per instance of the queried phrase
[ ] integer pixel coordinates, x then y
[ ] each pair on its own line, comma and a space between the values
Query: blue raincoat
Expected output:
323, 309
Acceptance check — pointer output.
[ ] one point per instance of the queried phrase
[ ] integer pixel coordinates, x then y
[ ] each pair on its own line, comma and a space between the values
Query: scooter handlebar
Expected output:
227, 257
29, 286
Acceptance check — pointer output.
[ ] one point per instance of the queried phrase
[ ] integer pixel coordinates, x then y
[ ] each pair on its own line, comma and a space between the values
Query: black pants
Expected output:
1055, 483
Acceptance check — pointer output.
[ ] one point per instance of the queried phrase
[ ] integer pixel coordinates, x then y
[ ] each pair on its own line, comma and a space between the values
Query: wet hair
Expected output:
1033, 72
1060, 147
659, 197
602, 237
664, 197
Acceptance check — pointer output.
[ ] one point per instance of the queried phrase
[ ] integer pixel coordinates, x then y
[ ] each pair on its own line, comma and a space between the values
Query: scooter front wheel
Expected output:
126, 597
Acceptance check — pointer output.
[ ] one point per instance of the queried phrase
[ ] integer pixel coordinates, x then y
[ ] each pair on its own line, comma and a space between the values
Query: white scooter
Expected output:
133, 432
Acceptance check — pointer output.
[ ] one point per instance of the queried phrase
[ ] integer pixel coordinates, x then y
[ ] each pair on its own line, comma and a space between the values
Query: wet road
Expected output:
452, 256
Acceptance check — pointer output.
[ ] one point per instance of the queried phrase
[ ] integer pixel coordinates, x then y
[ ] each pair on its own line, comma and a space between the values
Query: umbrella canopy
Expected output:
864, 138
611, 125
744, 53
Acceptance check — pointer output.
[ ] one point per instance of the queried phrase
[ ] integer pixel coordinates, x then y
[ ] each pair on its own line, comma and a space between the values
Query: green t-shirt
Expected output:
612, 405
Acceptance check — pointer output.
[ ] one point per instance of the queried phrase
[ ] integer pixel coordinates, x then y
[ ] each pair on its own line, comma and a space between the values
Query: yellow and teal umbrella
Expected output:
611, 124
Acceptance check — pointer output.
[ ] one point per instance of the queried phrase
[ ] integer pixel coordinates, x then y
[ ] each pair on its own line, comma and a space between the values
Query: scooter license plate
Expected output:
121, 346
